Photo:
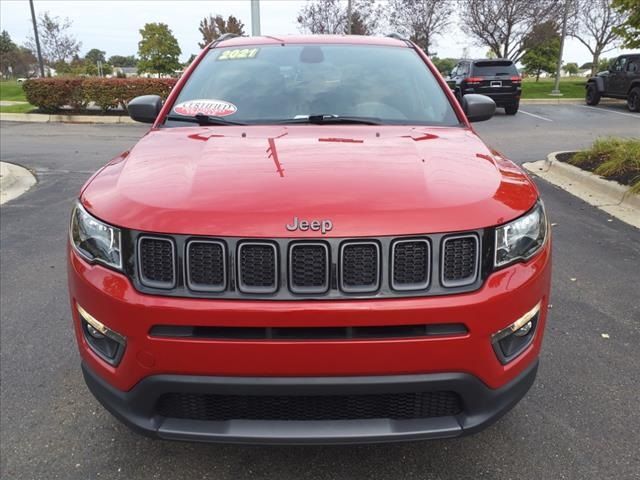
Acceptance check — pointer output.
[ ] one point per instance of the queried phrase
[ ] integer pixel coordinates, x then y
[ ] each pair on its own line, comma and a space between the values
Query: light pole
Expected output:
37, 39
349, 17
556, 86
255, 17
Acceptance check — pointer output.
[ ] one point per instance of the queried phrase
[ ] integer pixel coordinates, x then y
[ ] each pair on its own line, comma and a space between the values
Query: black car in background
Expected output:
498, 79
621, 80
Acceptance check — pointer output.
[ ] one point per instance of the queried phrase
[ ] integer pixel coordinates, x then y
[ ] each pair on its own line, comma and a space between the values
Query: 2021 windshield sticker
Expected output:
238, 54
212, 107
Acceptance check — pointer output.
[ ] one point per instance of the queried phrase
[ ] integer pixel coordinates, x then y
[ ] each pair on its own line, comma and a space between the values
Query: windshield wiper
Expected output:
334, 119
204, 120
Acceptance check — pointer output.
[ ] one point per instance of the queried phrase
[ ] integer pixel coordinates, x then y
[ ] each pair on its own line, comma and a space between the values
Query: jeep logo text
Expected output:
323, 226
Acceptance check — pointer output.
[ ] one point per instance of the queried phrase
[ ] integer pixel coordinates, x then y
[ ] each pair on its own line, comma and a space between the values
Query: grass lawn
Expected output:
19, 108
570, 88
11, 90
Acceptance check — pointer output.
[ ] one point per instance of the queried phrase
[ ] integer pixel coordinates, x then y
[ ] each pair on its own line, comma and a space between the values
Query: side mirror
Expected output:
145, 108
478, 108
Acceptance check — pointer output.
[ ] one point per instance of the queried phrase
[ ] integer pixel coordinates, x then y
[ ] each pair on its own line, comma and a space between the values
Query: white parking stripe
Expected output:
606, 110
537, 116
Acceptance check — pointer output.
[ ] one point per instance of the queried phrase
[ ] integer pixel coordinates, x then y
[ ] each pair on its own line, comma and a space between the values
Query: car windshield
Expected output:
312, 83
494, 69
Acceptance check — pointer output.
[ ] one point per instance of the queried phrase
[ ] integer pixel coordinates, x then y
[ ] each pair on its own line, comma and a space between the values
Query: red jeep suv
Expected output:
310, 245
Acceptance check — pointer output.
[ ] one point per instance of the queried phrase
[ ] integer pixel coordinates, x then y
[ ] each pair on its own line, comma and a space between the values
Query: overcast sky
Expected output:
113, 25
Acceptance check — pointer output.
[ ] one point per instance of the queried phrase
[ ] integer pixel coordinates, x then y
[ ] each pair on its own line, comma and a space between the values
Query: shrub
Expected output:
51, 94
613, 158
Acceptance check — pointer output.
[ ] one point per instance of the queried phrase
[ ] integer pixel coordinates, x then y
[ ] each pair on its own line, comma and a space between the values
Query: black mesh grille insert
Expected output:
410, 405
411, 264
156, 262
309, 268
206, 265
257, 267
360, 265
459, 264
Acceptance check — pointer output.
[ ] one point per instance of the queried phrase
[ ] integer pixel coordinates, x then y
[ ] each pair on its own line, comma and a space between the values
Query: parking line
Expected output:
606, 110
537, 116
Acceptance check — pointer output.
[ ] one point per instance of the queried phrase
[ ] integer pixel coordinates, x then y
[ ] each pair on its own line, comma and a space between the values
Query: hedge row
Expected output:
51, 94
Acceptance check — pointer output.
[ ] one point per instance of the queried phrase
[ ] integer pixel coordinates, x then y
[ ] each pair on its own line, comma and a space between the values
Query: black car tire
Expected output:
633, 99
512, 109
592, 96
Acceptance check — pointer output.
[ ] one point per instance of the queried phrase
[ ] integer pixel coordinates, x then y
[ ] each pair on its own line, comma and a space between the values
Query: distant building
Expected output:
126, 71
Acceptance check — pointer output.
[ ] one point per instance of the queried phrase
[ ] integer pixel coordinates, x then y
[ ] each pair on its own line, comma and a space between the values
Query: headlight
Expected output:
95, 240
522, 238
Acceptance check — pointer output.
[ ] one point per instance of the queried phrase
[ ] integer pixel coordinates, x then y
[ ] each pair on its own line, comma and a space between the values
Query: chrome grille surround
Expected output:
410, 286
362, 288
243, 286
327, 269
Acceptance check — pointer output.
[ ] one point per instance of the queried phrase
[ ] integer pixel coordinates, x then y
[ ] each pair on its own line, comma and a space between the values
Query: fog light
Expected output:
106, 343
524, 330
509, 342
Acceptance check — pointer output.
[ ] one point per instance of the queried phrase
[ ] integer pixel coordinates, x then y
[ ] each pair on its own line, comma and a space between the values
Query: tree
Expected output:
158, 49
596, 28
502, 25
330, 17
444, 65
629, 30
56, 44
420, 20
121, 61
212, 27
94, 56
542, 48
571, 68
8, 51
14, 60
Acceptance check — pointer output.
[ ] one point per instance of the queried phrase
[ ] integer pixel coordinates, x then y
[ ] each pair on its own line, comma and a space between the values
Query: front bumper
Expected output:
465, 363
482, 407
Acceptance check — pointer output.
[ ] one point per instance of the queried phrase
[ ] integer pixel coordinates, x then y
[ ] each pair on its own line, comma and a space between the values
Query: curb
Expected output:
607, 195
14, 181
565, 101
57, 118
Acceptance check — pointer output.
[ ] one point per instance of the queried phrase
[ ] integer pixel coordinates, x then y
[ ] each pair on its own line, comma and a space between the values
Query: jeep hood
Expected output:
252, 181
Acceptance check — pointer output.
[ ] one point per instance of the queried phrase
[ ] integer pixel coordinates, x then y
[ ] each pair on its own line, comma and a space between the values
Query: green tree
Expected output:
542, 47
629, 31
571, 68
158, 49
212, 27
444, 65
8, 51
421, 20
94, 56
121, 61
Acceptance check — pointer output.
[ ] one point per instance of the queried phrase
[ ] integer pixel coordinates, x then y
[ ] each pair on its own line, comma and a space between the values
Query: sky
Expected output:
113, 25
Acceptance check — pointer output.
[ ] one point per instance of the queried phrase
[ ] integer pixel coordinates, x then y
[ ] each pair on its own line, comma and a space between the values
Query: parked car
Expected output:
621, 80
308, 248
497, 79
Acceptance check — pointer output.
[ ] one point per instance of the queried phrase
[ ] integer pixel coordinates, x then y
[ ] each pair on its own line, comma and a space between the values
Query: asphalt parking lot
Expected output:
580, 420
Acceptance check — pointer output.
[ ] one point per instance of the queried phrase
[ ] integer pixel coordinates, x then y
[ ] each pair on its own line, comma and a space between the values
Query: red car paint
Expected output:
250, 181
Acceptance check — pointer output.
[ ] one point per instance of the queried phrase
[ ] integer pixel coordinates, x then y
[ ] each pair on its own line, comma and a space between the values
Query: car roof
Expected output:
312, 39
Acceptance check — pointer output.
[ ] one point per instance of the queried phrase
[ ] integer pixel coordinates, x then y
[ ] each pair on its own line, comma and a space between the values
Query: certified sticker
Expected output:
213, 107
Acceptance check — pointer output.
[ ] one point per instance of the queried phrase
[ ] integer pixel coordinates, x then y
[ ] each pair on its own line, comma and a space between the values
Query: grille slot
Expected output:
359, 267
411, 264
459, 260
309, 268
206, 266
258, 267
409, 405
156, 260
308, 333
